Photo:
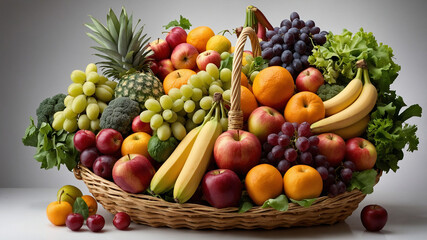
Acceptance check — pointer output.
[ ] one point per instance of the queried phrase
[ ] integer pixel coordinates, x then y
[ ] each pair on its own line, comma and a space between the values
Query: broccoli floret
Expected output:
327, 91
119, 114
48, 107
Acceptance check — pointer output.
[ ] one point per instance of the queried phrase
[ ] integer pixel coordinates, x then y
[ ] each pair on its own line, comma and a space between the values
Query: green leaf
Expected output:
81, 207
30, 138
304, 202
364, 181
183, 22
245, 206
412, 111
279, 203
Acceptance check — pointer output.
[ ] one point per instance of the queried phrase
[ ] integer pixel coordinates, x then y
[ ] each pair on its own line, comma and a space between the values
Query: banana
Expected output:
346, 97
354, 130
165, 177
353, 113
198, 160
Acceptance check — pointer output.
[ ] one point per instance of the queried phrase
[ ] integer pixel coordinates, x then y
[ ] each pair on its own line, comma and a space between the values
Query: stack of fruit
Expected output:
166, 133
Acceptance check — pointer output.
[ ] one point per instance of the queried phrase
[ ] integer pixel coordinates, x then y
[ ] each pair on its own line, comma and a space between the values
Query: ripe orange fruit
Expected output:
302, 182
304, 107
199, 36
136, 143
91, 204
248, 102
263, 182
57, 212
176, 79
218, 43
273, 87
244, 80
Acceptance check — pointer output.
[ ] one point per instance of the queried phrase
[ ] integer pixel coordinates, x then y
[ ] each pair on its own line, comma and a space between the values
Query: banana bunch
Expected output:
185, 167
347, 113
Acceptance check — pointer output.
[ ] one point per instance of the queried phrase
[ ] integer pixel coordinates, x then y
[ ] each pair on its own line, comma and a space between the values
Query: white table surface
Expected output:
24, 217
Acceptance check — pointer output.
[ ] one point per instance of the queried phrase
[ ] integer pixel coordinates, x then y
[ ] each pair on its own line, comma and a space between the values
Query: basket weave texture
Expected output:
155, 212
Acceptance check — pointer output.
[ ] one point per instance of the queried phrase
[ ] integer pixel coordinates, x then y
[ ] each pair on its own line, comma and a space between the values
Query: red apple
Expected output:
184, 56
263, 121
160, 48
84, 139
165, 67
361, 152
332, 146
208, 56
176, 36
133, 173
109, 141
103, 166
140, 126
155, 67
222, 188
309, 80
374, 217
237, 150
88, 156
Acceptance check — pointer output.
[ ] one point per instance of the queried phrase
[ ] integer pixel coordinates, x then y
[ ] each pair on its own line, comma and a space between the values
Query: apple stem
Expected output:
238, 134
179, 75
60, 196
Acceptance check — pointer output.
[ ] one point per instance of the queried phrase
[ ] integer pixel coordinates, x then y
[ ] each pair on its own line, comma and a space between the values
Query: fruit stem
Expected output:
60, 196
359, 73
366, 76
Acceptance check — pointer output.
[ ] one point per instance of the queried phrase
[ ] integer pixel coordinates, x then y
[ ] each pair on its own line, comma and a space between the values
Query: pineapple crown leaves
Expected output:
124, 48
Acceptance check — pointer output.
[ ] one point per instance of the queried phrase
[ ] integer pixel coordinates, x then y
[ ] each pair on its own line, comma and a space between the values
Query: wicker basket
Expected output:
155, 212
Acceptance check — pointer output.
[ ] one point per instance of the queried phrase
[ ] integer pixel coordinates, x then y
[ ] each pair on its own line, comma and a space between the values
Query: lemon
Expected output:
218, 43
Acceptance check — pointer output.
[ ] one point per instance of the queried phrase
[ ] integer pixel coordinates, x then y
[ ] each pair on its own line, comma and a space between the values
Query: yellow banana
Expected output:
198, 160
165, 177
353, 113
354, 130
346, 97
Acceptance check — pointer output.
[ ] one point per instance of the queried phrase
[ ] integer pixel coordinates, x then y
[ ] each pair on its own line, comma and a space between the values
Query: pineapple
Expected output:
125, 51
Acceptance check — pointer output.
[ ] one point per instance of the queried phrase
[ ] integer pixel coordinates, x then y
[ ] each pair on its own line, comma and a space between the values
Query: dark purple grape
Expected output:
276, 29
346, 174
314, 30
293, 16
314, 150
272, 139
291, 71
284, 65
294, 31
296, 125
271, 159
320, 160
331, 170
277, 49
350, 165
310, 23
323, 172
296, 55
276, 39
267, 44
305, 30
304, 130
283, 166
330, 180
305, 38
286, 47
306, 158
288, 129
278, 152
324, 33
333, 190
262, 44
300, 46
275, 61
270, 33
291, 154
264, 160
289, 38
302, 144
314, 140
286, 57
301, 24
341, 187
297, 65
286, 22
296, 23
283, 30
319, 39
267, 53
283, 140
267, 147
304, 61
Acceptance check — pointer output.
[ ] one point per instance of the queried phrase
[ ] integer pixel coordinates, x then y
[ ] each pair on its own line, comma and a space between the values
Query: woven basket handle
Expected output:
235, 115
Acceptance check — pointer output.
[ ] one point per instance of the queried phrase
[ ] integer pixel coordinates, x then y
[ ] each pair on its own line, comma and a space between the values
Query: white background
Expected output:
41, 42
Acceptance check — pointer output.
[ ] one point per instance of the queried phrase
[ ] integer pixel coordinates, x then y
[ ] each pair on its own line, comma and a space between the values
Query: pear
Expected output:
68, 193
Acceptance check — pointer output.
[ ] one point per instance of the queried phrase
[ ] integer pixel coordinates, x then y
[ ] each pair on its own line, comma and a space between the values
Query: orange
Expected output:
218, 43
244, 80
91, 204
304, 107
136, 143
248, 102
176, 79
263, 182
302, 182
58, 211
199, 36
246, 53
273, 87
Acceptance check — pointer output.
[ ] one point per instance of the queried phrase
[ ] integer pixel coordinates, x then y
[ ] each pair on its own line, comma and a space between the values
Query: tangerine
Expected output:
273, 86
248, 102
58, 211
136, 143
199, 36
176, 79
302, 182
263, 182
304, 107
91, 204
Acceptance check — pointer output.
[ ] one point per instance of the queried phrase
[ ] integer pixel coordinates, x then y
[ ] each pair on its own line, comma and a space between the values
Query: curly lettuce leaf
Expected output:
364, 181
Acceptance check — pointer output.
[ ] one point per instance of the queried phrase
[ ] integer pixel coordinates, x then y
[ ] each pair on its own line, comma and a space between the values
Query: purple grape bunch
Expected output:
290, 44
295, 144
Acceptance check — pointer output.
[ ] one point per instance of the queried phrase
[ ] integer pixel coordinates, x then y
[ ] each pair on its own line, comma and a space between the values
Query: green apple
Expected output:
69, 194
